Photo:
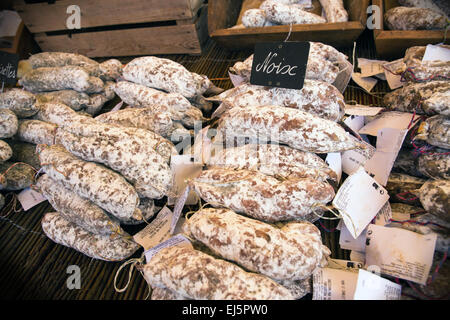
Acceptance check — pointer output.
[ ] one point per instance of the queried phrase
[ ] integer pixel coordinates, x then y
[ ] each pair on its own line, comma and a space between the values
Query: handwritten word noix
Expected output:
8, 71
268, 67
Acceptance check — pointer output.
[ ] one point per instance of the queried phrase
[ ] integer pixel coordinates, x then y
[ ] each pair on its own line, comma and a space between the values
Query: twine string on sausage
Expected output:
331, 208
3, 175
134, 262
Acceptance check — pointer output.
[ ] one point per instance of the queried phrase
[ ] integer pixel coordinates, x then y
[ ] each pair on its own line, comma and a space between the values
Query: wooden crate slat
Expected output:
44, 17
246, 38
128, 42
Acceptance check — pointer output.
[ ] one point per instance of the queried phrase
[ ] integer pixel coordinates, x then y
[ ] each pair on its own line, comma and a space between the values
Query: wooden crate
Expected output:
393, 44
119, 28
224, 14
23, 44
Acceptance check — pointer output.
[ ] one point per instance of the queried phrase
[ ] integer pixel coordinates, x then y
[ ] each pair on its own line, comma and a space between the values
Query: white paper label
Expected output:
157, 231
366, 83
29, 198
202, 146
384, 215
178, 240
355, 122
361, 110
358, 256
334, 161
373, 287
389, 143
347, 242
391, 119
236, 80
334, 284
179, 208
436, 52
344, 264
400, 253
358, 200
353, 159
371, 68
184, 169
393, 73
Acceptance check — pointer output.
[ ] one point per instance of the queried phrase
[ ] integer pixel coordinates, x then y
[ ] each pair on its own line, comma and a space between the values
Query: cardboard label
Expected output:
183, 169
334, 161
373, 287
280, 64
436, 52
157, 231
400, 253
391, 119
366, 83
361, 110
9, 62
358, 200
178, 240
389, 143
29, 198
334, 284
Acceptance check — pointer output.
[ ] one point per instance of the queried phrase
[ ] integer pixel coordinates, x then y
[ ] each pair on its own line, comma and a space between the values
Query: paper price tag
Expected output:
178, 240
29, 198
344, 76
334, 161
355, 122
236, 80
183, 169
361, 110
436, 52
400, 253
384, 215
178, 208
393, 72
366, 83
358, 200
157, 231
353, 159
371, 68
334, 284
389, 143
392, 119
344, 264
358, 256
373, 287
347, 242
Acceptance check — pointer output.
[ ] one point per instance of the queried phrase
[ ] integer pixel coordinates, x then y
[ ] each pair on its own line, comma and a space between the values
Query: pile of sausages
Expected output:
285, 12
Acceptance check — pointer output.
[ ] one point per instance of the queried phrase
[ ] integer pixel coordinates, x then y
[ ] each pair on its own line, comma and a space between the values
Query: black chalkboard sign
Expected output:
9, 63
280, 64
